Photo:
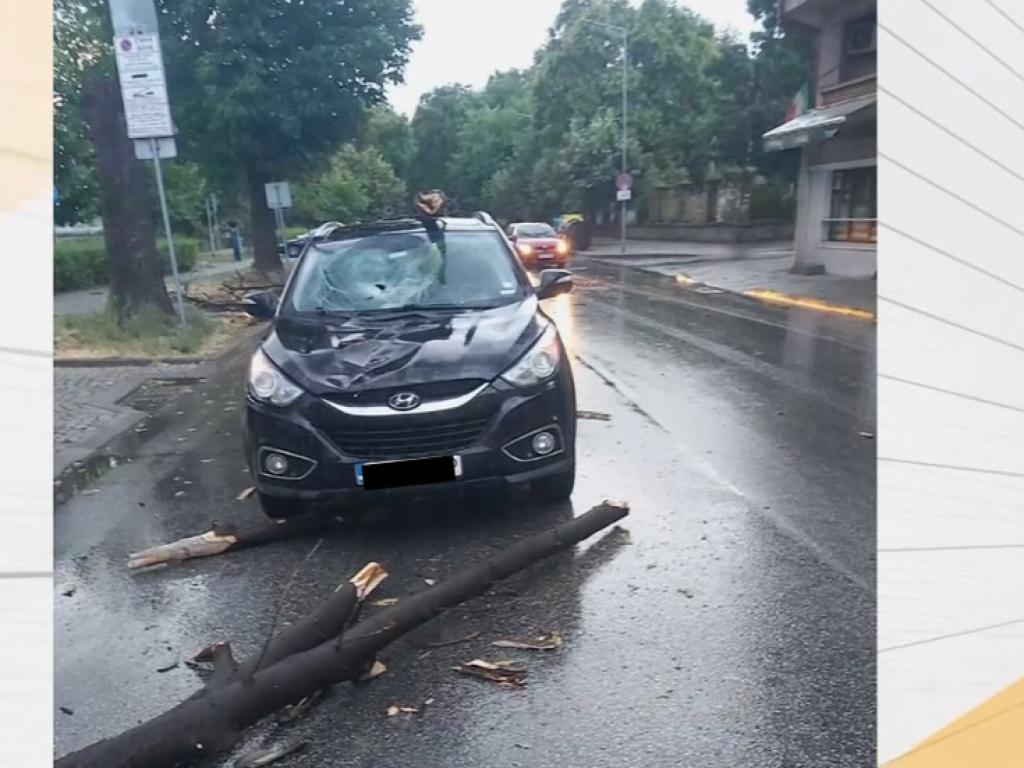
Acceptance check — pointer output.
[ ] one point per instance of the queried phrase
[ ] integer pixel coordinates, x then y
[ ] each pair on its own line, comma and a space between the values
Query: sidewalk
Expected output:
757, 270
95, 299
606, 248
90, 404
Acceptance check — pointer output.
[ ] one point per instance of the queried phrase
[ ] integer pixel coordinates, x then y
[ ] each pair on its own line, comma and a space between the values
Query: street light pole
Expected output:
625, 116
625, 126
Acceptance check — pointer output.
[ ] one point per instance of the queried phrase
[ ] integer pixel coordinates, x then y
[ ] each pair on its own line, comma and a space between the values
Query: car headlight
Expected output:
267, 384
539, 363
525, 249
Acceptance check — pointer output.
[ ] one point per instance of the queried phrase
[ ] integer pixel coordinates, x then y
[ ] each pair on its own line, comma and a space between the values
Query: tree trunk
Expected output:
264, 230
211, 722
129, 232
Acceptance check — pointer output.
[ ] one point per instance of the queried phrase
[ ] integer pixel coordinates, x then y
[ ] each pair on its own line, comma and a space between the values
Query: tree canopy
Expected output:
264, 90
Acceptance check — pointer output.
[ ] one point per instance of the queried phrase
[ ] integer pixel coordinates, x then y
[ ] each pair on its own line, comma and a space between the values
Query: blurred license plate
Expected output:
546, 255
399, 474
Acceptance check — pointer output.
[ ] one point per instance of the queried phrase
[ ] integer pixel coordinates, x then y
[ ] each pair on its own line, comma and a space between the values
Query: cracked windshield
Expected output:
405, 271
464, 383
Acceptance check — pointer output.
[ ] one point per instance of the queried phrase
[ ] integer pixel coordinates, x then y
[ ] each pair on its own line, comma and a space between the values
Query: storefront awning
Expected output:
814, 126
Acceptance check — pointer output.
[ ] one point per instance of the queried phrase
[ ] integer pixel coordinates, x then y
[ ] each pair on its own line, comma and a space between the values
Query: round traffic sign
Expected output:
624, 181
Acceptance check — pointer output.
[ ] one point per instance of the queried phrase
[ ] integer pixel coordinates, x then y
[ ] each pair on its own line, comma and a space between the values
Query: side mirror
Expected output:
554, 282
261, 305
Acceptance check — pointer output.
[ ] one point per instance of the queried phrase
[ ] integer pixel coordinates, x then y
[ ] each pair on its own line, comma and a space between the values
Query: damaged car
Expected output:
409, 355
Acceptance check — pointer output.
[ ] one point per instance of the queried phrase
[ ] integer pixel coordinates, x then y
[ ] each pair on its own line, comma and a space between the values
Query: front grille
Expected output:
440, 390
435, 439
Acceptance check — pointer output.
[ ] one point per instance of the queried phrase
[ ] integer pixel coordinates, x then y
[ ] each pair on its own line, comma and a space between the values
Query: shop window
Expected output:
854, 211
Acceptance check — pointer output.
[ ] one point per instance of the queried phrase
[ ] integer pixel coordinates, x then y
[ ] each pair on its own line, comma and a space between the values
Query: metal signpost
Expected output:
147, 110
279, 197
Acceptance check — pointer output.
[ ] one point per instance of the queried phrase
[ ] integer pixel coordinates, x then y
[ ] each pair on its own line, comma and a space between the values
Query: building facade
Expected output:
837, 190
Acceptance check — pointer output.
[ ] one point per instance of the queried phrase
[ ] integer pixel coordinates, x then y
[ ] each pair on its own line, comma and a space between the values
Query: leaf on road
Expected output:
395, 710
504, 673
430, 582
378, 669
547, 641
245, 494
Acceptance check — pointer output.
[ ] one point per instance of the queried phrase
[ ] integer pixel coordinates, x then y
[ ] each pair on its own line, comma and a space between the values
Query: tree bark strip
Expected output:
211, 722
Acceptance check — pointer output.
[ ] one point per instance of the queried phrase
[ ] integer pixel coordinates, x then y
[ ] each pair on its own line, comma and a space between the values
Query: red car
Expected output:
539, 246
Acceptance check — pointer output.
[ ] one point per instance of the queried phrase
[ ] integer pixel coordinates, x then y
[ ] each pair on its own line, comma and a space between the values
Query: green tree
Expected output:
266, 89
439, 118
74, 161
187, 190
486, 142
391, 134
783, 62
359, 184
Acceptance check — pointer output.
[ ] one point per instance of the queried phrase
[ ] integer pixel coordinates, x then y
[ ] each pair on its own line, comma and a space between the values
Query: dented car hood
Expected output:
331, 355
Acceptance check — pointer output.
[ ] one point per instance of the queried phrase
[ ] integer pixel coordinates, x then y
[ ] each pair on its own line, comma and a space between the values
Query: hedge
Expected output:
82, 262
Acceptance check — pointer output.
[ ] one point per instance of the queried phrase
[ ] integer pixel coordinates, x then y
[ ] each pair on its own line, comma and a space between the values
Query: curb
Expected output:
784, 300
111, 362
780, 299
90, 458
761, 295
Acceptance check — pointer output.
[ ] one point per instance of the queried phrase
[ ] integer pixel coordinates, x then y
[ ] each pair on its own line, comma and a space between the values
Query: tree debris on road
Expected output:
291, 669
258, 757
504, 673
547, 641
225, 539
593, 415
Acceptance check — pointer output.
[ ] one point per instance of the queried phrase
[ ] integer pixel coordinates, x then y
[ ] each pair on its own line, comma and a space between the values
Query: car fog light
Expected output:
276, 464
543, 443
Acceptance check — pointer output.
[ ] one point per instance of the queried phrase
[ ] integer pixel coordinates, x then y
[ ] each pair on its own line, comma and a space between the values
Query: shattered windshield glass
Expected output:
406, 271
534, 230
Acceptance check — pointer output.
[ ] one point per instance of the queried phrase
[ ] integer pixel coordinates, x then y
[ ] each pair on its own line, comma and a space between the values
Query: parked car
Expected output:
538, 245
293, 248
409, 353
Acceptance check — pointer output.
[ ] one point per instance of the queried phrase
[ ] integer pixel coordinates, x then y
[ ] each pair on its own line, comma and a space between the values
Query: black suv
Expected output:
409, 353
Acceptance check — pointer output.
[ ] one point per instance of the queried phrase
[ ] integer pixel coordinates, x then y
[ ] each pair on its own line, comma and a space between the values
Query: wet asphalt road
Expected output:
731, 624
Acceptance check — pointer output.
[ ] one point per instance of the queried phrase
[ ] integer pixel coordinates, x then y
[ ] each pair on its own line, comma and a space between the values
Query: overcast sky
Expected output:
466, 40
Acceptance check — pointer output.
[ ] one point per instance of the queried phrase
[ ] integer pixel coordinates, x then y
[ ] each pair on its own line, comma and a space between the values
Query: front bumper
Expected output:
333, 443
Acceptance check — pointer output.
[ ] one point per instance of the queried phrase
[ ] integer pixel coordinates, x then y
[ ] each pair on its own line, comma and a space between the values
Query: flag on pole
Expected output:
798, 104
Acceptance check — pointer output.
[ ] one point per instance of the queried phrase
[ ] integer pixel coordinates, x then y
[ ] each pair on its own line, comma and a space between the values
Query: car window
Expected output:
405, 270
534, 230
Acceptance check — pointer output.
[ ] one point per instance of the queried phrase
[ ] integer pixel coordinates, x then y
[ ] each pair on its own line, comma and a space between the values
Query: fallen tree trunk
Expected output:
211, 722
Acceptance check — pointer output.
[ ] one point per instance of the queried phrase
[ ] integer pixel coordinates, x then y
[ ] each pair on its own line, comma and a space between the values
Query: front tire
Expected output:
555, 488
280, 508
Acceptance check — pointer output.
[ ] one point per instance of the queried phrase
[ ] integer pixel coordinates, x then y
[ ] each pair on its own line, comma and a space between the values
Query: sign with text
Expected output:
279, 195
140, 68
624, 195
166, 148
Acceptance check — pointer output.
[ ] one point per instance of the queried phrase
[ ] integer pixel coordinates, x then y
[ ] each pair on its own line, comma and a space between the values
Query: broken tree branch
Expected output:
211, 722
225, 539
325, 623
